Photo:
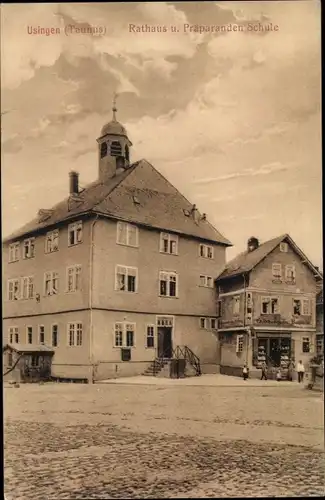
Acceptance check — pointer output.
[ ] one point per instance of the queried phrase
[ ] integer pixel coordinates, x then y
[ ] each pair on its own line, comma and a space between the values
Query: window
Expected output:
51, 283
284, 247
41, 334
75, 334
290, 274
239, 343
306, 307
126, 279
14, 252
150, 336
29, 335
13, 335
29, 248
127, 234
74, 278
204, 323
75, 233
305, 344
118, 334
35, 361
270, 305
103, 149
124, 334
116, 149
168, 243
219, 308
277, 271
206, 251
213, 323
168, 284
236, 305
206, 281
27, 287
296, 307
129, 329
52, 241
319, 344
55, 335
13, 289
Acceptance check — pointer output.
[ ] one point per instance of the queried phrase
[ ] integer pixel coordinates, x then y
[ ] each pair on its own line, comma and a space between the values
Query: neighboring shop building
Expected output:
267, 307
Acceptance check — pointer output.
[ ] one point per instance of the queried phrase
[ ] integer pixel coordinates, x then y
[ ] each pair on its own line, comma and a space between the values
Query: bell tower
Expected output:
113, 148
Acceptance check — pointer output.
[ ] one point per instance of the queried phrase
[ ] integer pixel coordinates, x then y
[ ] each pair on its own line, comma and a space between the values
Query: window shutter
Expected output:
237, 343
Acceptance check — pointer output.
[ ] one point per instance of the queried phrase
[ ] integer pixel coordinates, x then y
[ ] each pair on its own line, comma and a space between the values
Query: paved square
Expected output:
68, 441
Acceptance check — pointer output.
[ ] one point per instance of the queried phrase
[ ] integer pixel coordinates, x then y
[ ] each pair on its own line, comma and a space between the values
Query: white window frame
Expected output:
304, 303
52, 241
239, 343
204, 323
13, 294
152, 336
284, 247
27, 284
293, 305
13, 332
277, 271
51, 277
236, 305
29, 244
121, 327
170, 239
205, 281
77, 229
14, 252
269, 299
168, 275
292, 279
74, 327
122, 226
206, 251
57, 334
41, 328
126, 271
29, 331
75, 285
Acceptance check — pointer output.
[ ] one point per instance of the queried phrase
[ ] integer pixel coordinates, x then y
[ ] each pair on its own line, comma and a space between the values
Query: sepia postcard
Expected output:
162, 285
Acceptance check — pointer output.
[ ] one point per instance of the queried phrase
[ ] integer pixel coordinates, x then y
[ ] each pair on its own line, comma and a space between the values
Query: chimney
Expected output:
73, 182
252, 244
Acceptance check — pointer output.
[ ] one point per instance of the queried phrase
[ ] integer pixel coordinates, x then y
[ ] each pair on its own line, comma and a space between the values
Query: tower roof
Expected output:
114, 127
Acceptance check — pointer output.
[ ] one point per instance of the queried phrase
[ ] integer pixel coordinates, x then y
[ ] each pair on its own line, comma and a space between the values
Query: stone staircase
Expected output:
157, 366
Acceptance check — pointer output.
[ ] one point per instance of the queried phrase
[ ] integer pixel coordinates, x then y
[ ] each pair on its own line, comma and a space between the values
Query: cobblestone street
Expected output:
140, 441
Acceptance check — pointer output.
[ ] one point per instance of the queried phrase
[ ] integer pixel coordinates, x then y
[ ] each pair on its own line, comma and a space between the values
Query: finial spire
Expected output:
114, 108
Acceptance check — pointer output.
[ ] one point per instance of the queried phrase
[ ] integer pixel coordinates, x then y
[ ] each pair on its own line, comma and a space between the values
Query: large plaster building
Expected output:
116, 274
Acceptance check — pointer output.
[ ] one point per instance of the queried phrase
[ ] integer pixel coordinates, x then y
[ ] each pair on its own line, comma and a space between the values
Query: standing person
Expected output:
245, 372
264, 371
279, 375
300, 371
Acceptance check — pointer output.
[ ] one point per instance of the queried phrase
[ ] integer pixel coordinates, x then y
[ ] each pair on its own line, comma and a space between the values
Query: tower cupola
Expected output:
113, 148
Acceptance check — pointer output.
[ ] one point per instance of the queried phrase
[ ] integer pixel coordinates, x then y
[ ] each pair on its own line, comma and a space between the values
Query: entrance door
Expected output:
164, 341
275, 351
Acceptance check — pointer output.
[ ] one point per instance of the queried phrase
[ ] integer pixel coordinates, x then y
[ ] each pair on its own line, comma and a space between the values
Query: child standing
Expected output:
245, 372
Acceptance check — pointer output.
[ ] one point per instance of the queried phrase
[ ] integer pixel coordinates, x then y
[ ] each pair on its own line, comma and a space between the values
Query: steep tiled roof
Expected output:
139, 194
28, 347
246, 261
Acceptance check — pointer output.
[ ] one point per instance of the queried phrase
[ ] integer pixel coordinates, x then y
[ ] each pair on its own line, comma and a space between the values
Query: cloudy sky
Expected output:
231, 119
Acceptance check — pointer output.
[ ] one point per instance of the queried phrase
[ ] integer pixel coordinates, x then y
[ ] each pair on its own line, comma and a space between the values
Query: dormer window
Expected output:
284, 247
29, 248
75, 233
103, 149
116, 149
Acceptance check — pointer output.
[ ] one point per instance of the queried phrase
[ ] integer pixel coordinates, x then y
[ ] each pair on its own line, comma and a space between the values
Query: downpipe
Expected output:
91, 328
